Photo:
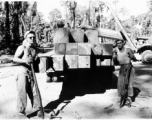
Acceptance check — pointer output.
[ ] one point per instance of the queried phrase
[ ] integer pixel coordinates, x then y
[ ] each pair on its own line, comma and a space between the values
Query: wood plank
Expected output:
83, 61
84, 48
123, 32
71, 61
61, 35
58, 62
71, 49
78, 35
60, 48
96, 48
107, 33
92, 36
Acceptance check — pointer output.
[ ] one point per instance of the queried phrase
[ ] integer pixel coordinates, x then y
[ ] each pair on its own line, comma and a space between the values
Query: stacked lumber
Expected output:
78, 55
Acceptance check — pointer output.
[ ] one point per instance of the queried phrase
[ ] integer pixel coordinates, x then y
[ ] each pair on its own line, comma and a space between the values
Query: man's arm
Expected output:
114, 56
17, 55
131, 54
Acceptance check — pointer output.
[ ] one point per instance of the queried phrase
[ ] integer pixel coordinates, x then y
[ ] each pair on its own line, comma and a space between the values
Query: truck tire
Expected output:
147, 56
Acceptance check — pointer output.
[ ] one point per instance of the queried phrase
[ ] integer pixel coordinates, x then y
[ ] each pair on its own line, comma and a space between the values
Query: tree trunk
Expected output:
74, 19
7, 24
31, 22
16, 23
24, 27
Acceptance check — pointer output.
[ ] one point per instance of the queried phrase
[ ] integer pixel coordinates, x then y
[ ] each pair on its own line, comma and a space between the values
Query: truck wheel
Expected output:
147, 56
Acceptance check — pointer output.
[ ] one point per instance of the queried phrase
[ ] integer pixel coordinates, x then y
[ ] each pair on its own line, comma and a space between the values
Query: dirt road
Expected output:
86, 106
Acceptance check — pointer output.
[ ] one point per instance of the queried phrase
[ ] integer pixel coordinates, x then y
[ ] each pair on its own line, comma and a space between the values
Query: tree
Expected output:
7, 24
71, 6
23, 14
55, 15
33, 13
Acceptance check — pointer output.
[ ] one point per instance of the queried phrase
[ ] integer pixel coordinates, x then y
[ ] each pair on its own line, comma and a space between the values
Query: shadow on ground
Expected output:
80, 82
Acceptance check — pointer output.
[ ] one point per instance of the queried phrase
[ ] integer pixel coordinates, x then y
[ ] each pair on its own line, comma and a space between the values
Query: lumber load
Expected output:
61, 35
60, 48
78, 35
71, 49
58, 62
107, 33
83, 61
96, 48
92, 36
71, 61
84, 48
93, 32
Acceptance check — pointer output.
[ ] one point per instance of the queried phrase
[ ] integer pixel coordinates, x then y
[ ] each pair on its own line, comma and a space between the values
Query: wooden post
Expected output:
41, 112
121, 27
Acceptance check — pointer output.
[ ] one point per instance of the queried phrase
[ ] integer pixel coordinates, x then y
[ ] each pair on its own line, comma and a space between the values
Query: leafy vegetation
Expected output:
16, 17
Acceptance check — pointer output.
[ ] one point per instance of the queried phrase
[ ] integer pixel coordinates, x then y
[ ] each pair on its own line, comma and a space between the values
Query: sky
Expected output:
134, 7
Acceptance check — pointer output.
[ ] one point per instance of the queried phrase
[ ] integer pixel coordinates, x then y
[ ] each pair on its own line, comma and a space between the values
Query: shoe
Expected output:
129, 101
22, 115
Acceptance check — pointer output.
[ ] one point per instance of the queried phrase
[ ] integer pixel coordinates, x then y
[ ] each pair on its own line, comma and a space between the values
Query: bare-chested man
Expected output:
24, 56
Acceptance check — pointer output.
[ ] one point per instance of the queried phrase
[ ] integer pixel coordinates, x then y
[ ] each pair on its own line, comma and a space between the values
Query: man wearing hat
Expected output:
24, 56
123, 56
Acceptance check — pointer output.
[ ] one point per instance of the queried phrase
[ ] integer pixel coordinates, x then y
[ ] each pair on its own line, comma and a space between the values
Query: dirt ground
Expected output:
86, 106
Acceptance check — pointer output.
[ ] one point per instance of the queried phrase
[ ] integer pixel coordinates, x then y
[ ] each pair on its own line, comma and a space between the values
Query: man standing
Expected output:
123, 56
25, 55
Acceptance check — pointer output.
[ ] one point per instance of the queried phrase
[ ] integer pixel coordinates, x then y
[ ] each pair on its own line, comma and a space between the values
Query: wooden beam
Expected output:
121, 27
84, 48
71, 49
83, 61
107, 33
58, 62
78, 35
92, 36
96, 48
60, 48
71, 61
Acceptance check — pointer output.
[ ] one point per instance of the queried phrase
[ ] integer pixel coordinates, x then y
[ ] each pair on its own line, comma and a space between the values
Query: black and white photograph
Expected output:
76, 59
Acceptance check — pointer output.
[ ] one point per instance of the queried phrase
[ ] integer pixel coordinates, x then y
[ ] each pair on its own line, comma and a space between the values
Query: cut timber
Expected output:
107, 49
96, 48
61, 35
58, 62
78, 35
71, 49
107, 33
84, 62
92, 36
60, 48
121, 27
84, 48
71, 61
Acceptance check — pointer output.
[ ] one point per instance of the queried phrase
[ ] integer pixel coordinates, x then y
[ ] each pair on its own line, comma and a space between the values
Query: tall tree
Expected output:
23, 14
33, 13
55, 15
7, 23
15, 21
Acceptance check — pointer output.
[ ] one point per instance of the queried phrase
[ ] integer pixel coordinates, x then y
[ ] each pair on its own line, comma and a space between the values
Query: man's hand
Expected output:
29, 60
